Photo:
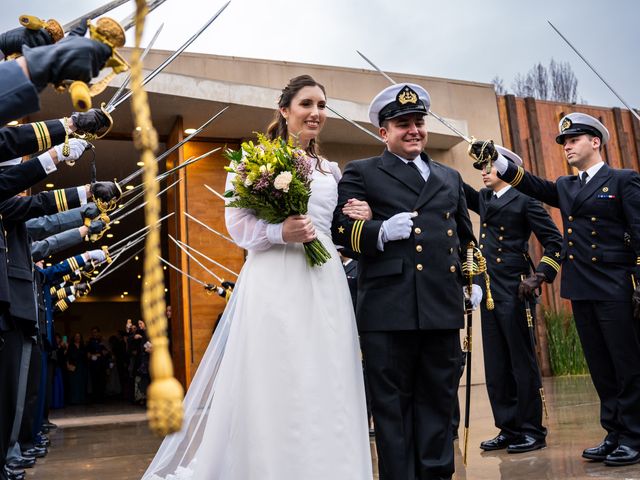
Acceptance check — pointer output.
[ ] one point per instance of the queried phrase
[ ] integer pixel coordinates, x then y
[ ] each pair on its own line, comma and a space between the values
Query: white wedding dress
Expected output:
279, 393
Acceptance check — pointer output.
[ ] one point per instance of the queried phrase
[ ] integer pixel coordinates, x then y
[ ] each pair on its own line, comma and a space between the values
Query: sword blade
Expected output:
431, 112
208, 227
164, 175
138, 172
208, 258
633, 112
169, 264
359, 127
375, 67
93, 14
128, 77
103, 275
182, 246
138, 232
138, 207
130, 244
164, 64
219, 195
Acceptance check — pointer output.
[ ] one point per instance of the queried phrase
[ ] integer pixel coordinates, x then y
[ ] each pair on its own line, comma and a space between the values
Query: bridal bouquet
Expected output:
273, 179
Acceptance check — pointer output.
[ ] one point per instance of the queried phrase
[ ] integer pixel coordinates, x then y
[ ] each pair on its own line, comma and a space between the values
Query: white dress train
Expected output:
279, 393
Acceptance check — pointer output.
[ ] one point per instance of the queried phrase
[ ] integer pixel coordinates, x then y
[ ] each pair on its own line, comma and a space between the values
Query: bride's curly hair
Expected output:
278, 127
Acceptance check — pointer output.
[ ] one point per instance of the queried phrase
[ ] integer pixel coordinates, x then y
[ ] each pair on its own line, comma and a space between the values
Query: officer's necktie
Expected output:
415, 169
583, 179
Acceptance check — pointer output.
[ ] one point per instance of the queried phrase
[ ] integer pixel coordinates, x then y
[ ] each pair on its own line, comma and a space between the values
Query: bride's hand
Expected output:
298, 229
357, 209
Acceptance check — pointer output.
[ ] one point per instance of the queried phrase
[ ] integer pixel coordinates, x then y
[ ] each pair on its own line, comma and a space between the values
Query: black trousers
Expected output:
26, 438
10, 353
413, 378
610, 340
511, 370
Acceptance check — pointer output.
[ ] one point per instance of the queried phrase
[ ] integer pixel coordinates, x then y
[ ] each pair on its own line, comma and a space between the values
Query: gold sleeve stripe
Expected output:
42, 136
62, 305
73, 263
61, 200
518, 177
52, 290
551, 262
638, 261
61, 294
356, 231
66, 278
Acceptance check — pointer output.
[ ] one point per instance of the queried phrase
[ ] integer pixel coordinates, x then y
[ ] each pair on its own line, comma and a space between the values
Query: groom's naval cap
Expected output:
580, 124
399, 99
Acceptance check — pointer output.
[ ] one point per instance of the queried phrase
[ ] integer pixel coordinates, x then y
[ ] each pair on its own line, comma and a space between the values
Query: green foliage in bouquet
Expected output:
273, 178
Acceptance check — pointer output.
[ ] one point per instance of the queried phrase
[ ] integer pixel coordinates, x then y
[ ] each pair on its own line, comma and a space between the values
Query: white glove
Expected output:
475, 297
398, 227
97, 255
76, 149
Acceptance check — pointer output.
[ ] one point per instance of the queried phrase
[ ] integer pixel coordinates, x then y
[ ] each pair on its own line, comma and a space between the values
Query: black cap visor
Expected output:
578, 129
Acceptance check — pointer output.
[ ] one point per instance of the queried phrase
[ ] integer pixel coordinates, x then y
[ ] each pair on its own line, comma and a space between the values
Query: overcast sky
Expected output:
459, 39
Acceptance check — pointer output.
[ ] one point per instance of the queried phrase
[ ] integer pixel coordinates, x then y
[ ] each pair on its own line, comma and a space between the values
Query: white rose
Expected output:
282, 181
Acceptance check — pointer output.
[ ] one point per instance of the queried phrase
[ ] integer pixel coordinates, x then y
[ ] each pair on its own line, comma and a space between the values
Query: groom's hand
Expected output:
298, 229
398, 227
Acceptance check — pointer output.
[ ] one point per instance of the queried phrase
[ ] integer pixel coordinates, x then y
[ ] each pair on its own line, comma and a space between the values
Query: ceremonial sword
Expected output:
358, 126
185, 245
633, 112
164, 64
181, 247
102, 275
139, 172
148, 227
138, 207
532, 339
209, 287
128, 79
208, 227
93, 14
219, 195
164, 175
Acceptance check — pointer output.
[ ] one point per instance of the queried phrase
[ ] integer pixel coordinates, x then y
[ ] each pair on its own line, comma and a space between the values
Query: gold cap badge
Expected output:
407, 95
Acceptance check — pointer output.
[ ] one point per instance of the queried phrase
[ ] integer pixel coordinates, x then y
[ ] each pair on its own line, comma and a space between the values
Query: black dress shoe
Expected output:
14, 474
600, 452
20, 463
35, 452
622, 455
497, 443
526, 443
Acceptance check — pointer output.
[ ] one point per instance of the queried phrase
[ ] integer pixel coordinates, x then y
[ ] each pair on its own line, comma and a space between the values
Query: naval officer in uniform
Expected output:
507, 219
601, 227
410, 301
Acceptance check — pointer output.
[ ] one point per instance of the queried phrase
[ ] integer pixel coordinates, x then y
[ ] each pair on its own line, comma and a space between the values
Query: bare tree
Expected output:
498, 85
563, 81
538, 78
522, 87
556, 82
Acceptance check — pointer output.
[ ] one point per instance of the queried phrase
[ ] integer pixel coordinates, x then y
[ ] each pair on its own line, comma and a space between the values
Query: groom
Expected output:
410, 298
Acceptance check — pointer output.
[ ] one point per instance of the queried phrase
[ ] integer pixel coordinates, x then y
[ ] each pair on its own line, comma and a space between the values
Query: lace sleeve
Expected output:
247, 230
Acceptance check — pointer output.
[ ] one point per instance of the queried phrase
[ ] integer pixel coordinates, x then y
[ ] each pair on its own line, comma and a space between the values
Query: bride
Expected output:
279, 394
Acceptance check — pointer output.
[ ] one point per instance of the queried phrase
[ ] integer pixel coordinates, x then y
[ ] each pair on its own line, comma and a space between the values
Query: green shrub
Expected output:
565, 350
